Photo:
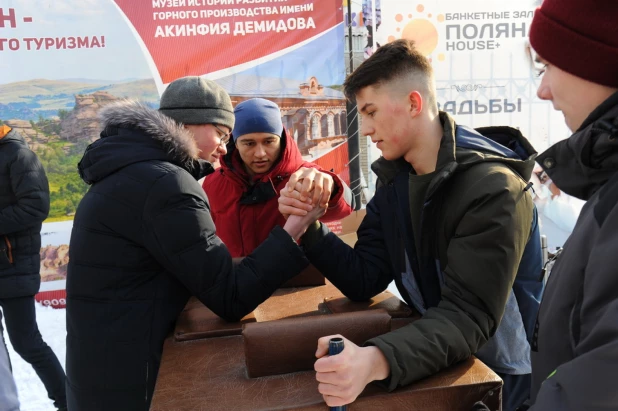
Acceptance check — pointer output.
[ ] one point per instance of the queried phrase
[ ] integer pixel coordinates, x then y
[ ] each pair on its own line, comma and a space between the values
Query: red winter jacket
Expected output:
244, 214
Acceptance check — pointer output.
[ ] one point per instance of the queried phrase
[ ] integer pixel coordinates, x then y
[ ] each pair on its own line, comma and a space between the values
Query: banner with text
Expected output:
484, 76
61, 61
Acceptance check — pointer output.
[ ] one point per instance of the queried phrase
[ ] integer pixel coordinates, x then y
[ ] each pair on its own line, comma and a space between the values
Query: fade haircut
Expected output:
398, 60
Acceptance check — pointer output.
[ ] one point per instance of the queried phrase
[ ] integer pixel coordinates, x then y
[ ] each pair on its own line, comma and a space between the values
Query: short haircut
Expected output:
392, 61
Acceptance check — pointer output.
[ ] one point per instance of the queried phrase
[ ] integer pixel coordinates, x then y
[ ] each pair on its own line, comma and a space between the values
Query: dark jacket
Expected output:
575, 355
143, 241
476, 221
24, 204
245, 211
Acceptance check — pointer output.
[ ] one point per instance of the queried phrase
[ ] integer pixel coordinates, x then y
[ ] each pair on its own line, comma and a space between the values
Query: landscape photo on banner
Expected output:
61, 61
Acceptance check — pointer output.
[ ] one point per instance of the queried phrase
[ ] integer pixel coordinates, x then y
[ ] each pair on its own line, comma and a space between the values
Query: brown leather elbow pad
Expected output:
289, 345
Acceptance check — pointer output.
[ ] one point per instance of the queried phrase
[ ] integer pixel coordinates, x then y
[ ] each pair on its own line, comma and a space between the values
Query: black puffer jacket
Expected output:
24, 204
143, 241
575, 350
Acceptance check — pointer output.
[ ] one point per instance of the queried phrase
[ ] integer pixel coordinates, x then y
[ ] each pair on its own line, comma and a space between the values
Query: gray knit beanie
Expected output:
195, 100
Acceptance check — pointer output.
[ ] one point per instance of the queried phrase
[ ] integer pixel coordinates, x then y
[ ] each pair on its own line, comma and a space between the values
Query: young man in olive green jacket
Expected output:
452, 224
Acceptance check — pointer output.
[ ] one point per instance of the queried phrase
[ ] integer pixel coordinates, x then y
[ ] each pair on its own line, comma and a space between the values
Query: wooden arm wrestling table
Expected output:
203, 365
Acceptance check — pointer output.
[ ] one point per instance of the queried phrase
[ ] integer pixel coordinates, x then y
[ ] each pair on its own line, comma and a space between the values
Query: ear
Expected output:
416, 103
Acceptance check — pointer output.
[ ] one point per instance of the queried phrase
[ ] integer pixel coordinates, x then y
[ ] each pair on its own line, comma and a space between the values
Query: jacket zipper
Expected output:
146, 398
535, 336
401, 237
9, 249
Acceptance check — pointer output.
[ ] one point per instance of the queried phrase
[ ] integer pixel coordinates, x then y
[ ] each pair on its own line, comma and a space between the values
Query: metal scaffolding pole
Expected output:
353, 136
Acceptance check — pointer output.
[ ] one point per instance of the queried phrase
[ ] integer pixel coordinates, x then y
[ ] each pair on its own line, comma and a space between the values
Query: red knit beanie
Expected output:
579, 37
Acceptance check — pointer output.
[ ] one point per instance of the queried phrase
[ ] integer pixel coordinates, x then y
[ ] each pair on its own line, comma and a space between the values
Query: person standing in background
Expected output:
24, 204
371, 25
8, 390
558, 211
262, 157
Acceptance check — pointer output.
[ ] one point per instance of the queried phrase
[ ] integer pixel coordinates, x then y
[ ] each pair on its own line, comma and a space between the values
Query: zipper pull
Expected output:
549, 261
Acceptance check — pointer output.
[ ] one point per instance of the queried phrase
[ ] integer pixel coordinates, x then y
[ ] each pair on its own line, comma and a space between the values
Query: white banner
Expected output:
484, 77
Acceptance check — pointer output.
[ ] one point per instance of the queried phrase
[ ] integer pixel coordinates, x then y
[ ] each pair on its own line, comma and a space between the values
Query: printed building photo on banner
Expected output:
61, 61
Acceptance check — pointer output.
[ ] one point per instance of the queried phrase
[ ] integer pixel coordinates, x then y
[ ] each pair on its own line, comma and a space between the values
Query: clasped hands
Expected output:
306, 189
304, 199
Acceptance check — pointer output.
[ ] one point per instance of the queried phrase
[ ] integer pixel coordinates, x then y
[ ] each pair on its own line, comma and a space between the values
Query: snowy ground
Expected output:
32, 394
52, 324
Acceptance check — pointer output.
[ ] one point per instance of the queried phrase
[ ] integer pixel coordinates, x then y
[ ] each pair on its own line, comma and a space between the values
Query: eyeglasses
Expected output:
224, 137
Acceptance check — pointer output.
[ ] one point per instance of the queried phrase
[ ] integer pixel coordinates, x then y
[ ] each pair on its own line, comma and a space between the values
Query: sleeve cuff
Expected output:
314, 234
391, 382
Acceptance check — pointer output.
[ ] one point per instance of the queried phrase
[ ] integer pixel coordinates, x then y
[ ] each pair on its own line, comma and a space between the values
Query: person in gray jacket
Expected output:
8, 389
575, 344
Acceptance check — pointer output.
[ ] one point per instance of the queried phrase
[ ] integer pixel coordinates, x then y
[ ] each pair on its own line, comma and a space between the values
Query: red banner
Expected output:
54, 299
337, 161
197, 37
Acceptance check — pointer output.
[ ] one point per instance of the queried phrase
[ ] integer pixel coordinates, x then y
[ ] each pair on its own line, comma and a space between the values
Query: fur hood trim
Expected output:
177, 141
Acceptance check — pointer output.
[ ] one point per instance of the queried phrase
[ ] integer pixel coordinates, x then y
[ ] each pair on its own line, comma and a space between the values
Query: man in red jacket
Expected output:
244, 191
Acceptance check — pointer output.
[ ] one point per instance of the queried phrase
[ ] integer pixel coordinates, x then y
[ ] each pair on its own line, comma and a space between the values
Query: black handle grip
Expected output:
335, 346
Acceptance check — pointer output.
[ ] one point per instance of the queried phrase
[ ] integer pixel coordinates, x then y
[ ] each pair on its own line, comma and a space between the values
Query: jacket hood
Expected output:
462, 147
132, 133
4, 130
495, 144
13, 136
584, 162
290, 159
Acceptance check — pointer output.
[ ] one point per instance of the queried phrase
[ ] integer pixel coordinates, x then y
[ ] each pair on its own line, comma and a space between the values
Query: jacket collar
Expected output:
13, 136
462, 147
583, 163
174, 138
4, 130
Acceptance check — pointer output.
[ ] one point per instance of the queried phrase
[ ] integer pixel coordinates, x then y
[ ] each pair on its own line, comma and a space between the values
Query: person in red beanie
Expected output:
575, 345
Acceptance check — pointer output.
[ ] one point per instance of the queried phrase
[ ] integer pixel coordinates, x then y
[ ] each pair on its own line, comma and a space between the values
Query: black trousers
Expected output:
515, 391
23, 332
